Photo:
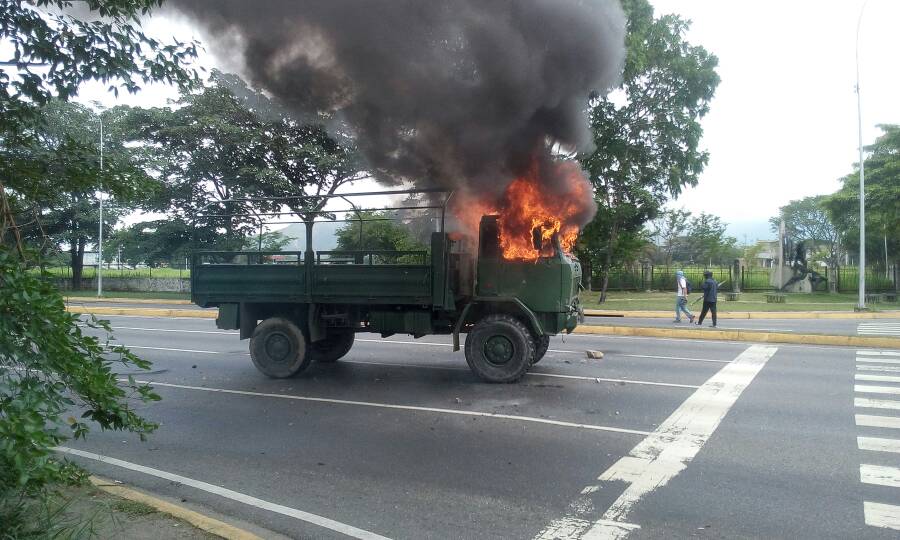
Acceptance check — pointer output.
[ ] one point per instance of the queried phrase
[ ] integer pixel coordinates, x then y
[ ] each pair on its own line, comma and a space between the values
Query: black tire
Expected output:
499, 349
541, 344
332, 348
278, 348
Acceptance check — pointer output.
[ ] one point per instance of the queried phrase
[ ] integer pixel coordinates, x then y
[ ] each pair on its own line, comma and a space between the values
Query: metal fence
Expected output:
752, 279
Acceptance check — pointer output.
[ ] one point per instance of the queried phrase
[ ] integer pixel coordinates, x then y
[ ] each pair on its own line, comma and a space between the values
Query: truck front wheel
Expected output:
332, 348
499, 349
541, 344
278, 348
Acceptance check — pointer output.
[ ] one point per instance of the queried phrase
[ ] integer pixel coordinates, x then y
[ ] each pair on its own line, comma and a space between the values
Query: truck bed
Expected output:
361, 278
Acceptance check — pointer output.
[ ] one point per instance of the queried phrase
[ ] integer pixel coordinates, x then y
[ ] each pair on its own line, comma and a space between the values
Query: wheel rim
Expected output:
498, 350
278, 347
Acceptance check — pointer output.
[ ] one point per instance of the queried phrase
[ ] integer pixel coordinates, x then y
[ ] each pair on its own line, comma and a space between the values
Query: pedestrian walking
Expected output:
682, 289
710, 296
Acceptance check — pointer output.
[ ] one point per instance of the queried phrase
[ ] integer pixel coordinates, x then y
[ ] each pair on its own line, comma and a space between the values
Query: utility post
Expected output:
861, 306
100, 238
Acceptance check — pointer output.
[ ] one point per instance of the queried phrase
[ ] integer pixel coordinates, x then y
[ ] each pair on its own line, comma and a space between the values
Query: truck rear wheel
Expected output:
541, 344
499, 349
332, 348
278, 348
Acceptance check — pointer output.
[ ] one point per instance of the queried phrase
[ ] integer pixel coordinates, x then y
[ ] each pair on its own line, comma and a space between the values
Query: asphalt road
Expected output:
719, 439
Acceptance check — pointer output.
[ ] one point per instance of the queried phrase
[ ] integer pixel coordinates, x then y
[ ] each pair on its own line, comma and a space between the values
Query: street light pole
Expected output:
100, 240
862, 178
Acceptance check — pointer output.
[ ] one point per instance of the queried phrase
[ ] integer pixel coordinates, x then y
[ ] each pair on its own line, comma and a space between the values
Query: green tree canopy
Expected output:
226, 141
882, 200
378, 231
647, 132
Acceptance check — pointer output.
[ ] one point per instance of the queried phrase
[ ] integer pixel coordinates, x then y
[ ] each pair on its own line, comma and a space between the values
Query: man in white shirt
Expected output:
681, 293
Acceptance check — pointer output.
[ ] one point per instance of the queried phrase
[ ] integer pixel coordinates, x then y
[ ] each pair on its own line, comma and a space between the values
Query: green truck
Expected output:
302, 307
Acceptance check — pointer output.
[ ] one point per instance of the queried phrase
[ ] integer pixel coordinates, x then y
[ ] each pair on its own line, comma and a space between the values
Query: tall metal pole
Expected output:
100, 240
862, 177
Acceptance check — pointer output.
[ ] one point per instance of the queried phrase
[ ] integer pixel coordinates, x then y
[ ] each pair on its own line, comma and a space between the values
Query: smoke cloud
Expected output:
464, 94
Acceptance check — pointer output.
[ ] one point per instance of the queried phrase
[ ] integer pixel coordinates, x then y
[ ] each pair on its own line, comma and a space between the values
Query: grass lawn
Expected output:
665, 301
90, 272
124, 294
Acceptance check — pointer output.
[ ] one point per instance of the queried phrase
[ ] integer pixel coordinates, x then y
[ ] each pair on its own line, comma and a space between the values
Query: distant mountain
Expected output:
324, 236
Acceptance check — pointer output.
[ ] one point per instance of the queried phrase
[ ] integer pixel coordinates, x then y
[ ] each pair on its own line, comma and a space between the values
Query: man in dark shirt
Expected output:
710, 295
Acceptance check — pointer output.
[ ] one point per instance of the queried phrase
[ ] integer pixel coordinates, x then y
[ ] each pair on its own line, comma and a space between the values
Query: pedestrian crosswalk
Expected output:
879, 430
879, 329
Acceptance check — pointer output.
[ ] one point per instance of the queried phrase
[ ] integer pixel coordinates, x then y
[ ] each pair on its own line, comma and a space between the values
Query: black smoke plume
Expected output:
465, 94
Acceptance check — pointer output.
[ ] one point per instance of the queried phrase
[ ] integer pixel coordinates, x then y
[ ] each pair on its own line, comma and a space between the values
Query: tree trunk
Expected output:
77, 263
613, 234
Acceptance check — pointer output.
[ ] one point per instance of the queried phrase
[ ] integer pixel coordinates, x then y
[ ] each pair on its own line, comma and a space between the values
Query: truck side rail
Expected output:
373, 257
245, 258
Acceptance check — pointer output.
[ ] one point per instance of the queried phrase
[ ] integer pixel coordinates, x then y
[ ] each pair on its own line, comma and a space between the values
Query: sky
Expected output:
783, 123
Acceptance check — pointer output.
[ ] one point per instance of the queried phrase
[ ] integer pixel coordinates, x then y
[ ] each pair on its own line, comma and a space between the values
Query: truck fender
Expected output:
512, 305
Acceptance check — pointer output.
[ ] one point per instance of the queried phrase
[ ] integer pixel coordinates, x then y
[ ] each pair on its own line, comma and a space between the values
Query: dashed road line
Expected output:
878, 329
870, 389
879, 475
878, 444
401, 407
882, 515
877, 378
867, 420
869, 403
666, 452
883, 369
877, 360
314, 519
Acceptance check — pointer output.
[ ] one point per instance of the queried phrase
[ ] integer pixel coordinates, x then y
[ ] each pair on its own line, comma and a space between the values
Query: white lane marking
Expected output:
675, 358
882, 515
877, 421
403, 407
172, 350
878, 353
323, 522
879, 475
883, 369
878, 444
878, 360
879, 329
869, 389
877, 378
222, 332
666, 452
622, 381
876, 403
529, 374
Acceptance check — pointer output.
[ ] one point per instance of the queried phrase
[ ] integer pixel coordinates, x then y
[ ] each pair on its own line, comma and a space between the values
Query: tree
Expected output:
227, 141
378, 232
48, 364
882, 200
60, 161
707, 241
806, 220
672, 227
646, 132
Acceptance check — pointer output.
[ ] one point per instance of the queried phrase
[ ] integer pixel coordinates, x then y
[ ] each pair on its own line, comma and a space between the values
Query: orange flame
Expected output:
528, 207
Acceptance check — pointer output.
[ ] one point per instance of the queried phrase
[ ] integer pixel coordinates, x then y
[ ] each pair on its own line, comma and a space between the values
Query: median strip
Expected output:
678, 333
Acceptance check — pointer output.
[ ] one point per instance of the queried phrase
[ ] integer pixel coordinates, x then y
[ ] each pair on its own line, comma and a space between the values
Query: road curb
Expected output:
198, 520
752, 314
143, 312
743, 335
93, 300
